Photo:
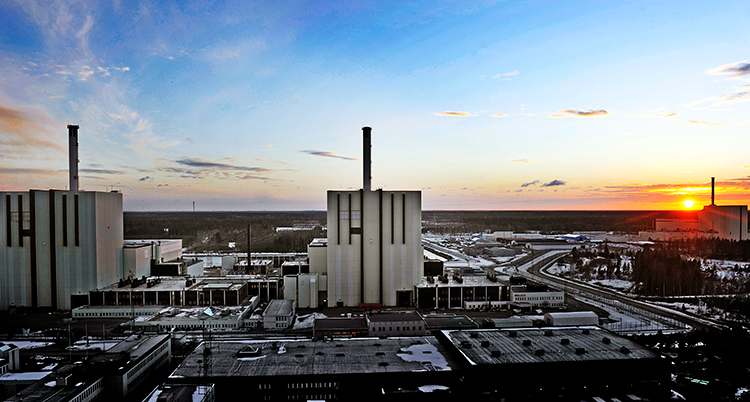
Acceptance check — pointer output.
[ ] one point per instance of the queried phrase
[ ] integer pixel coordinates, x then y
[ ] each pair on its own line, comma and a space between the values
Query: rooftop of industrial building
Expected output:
533, 345
174, 314
278, 307
390, 316
173, 283
448, 321
50, 391
137, 345
467, 280
307, 357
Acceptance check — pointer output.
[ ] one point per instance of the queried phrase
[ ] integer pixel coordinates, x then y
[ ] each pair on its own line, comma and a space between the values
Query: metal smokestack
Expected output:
73, 156
712, 190
367, 146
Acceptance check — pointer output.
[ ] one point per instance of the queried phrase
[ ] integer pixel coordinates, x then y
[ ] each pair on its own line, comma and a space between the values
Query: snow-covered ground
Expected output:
307, 321
29, 344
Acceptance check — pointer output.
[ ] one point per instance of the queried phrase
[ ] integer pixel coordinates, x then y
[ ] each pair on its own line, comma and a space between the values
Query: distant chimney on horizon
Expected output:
73, 156
367, 146
713, 182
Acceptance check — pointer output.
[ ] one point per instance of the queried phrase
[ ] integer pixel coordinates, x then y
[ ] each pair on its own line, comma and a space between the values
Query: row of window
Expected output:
308, 385
91, 391
356, 214
154, 355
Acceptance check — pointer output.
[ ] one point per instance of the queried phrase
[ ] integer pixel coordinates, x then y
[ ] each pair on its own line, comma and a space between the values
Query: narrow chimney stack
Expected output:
713, 182
367, 146
73, 156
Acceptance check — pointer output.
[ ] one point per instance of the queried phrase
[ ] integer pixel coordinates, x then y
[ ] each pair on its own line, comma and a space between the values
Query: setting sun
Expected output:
688, 203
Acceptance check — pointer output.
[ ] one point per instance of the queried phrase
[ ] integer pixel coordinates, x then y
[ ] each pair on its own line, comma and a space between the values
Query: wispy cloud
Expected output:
705, 123
101, 171
734, 98
554, 183
328, 154
455, 114
531, 183
523, 161
735, 70
499, 115
580, 113
25, 132
200, 163
673, 114
505, 76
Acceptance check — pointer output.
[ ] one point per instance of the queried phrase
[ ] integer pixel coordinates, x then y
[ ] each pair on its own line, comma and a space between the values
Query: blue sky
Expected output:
487, 105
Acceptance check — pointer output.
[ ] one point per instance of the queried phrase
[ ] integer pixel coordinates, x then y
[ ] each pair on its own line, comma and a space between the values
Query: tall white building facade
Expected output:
56, 245
374, 247
374, 251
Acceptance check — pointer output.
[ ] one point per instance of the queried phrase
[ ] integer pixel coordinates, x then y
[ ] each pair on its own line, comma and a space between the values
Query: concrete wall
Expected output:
374, 245
60, 255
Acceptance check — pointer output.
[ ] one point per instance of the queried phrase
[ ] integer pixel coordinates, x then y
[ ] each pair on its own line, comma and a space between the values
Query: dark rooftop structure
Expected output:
574, 362
340, 327
342, 369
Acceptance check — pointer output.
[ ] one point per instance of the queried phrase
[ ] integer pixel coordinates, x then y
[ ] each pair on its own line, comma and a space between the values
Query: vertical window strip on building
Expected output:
75, 223
65, 219
8, 230
403, 218
20, 220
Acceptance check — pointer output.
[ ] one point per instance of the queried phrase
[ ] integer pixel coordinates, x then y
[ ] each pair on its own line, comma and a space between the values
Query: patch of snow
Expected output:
430, 388
307, 321
29, 344
425, 353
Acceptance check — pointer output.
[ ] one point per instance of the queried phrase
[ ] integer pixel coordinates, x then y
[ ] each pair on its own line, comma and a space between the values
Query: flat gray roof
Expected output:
390, 316
279, 307
137, 345
481, 347
306, 357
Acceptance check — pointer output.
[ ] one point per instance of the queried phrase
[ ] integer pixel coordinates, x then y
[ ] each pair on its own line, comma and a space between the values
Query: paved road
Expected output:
545, 259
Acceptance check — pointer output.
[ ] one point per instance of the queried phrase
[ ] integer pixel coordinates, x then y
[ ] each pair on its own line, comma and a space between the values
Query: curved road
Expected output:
538, 268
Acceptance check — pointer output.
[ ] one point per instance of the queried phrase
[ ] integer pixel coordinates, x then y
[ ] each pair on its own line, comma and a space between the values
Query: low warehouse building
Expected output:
576, 318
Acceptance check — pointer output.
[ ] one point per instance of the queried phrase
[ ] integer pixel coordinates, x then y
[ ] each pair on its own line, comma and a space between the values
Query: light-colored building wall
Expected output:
317, 254
304, 288
538, 299
374, 246
137, 260
54, 244
727, 221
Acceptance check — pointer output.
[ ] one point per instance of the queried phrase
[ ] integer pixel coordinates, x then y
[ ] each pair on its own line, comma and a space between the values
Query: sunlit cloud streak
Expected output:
22, 132
706, 123
580, 113
523, 161
454, 114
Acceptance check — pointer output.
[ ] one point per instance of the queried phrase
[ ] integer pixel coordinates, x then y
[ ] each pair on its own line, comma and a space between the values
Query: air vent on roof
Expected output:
539, 352
580, 351
340, 355
527, 342
585, 332
606, 340
377, 344
338, 345
379, 353
485, 344
466, 344
495, 353
299, 355
565, 341
319, 353
548, 332
625, 350
512, 334
383, 364
474, 335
